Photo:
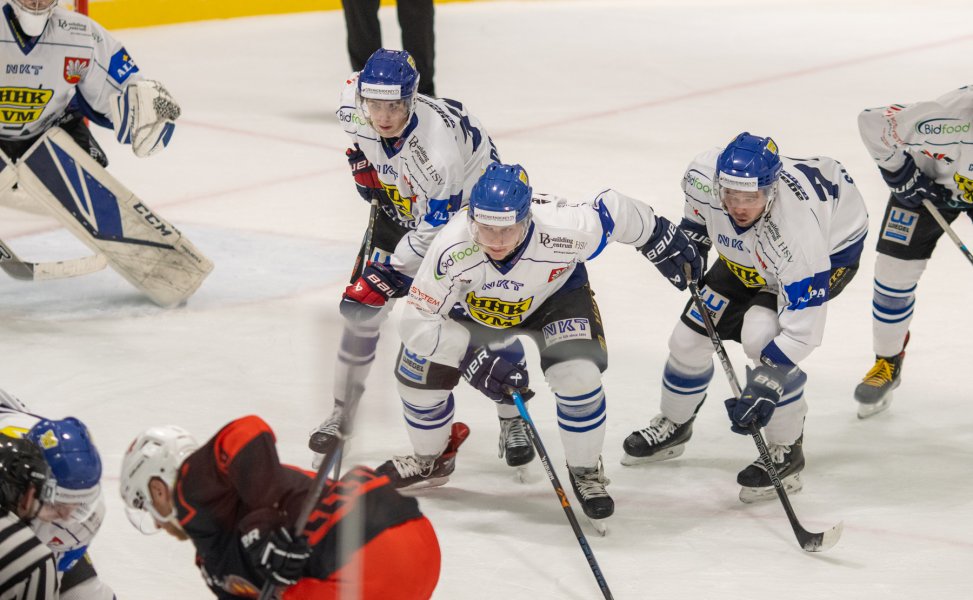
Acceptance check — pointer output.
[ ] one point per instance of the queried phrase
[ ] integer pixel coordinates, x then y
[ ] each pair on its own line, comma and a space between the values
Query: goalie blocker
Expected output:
141, 246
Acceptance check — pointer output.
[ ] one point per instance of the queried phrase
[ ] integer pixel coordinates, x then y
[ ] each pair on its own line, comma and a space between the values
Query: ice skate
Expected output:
515, 446
589, 488
788, 461
661, 440
874, 393
416, 472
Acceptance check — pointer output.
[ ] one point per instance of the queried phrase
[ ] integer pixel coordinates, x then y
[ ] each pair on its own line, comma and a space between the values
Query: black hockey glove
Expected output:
494, 375
377, 285
910, 186
757, 402
700, 236
272, 550
366, 179
670, 250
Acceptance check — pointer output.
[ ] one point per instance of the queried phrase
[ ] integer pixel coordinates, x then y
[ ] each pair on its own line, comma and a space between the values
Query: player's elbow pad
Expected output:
144, 116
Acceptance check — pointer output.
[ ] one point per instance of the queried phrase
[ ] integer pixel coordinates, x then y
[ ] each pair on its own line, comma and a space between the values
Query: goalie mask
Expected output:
747, 172
32, 15
386, 94
156, 453
499, 212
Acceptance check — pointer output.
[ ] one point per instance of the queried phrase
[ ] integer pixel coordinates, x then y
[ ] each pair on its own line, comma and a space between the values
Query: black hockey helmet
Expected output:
22, 466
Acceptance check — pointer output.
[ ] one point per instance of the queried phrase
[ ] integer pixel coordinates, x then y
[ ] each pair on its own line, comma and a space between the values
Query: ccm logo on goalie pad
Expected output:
715, 303
154, 221
567, 329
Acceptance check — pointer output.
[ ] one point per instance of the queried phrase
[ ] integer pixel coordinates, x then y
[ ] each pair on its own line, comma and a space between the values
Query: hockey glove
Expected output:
144, 116
669, 250
910, 186
376, 286
757, 402
272, 549
700, 237
366, 179
494, 375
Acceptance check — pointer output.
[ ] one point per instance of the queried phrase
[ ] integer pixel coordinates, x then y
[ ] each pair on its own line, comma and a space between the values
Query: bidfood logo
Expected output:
942, 127
450, 258
695, 179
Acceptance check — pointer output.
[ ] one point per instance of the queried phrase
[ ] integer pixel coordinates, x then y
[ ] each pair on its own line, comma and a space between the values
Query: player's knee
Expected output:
690, 348
573, 377
760, 326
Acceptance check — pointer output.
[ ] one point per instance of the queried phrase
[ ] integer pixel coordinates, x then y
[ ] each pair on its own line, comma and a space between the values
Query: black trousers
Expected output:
418, 37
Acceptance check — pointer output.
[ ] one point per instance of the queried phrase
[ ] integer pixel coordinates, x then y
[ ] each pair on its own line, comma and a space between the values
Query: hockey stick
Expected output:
21, 270
949, 230
810, 542
559, 489
318, 488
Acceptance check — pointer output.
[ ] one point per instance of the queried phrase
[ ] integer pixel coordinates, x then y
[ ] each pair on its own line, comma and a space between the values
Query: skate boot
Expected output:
514, 444
323, 435
661, 440
416, 472
589, 488
874, 393
788, 461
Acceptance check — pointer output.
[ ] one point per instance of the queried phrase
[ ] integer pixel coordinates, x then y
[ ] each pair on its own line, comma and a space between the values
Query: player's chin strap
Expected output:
811, 542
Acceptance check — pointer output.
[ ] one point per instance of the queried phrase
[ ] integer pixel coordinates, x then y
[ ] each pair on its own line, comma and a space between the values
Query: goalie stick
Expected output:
22, 270
949, 230
810, 542
562, 496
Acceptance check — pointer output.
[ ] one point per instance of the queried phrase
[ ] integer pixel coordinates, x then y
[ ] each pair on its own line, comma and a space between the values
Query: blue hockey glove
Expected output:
377, 285
700, 236
757, 402
910, 186
494, 375
670, 250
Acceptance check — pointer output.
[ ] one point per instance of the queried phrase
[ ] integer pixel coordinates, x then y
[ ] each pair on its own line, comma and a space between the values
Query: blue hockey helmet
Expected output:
74, 461
749, 164
22, 467
388, 81
499, 213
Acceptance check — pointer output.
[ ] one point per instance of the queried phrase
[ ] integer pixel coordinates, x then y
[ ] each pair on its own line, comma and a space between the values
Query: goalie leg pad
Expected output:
8, 174
141, 246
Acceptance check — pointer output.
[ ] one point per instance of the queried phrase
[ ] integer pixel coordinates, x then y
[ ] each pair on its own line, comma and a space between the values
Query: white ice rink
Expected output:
586, 95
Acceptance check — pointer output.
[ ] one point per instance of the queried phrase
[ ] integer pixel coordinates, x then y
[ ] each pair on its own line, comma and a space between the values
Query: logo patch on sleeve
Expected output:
899, 226
121, 66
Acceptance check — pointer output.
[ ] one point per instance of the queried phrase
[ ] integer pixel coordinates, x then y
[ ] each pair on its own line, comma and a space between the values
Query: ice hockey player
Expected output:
61, 68
27, 567
417, 157
788, 235
71, 516
238, 504
515, 266
923, 152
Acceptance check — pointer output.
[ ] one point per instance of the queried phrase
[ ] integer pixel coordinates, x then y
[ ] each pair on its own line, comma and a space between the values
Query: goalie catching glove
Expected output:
378, 284
144, 116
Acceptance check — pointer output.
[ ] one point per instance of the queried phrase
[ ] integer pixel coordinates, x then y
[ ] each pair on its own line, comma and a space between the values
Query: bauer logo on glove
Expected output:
144, 116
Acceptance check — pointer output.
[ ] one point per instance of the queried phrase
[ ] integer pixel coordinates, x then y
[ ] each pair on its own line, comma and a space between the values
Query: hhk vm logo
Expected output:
75, 68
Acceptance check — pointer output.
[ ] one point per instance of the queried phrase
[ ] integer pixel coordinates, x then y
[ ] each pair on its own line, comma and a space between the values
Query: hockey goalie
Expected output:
82, 74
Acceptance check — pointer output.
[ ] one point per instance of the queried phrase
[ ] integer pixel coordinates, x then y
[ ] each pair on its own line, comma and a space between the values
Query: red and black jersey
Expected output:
238, 473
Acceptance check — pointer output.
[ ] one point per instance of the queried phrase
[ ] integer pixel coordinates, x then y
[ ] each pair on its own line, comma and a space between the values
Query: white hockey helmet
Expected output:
156, 452
32, 15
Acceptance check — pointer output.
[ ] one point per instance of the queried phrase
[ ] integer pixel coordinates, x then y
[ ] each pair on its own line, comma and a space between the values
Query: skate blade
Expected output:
792, 484
521, 474
869, 410
600, 525
423, 485
629, 461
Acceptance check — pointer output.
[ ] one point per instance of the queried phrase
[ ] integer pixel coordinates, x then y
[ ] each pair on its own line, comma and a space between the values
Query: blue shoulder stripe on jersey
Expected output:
849, 256
607, 226
808, 292
441, 210
121, 66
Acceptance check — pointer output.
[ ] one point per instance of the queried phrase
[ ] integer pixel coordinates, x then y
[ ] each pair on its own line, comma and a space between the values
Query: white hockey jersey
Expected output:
561, 237
428, 172
818, 222
73, 57
937, 134
67, 539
